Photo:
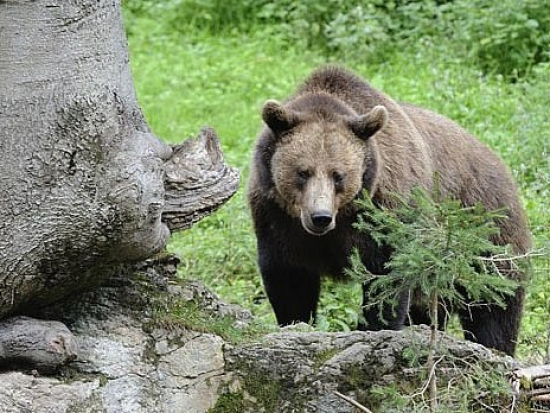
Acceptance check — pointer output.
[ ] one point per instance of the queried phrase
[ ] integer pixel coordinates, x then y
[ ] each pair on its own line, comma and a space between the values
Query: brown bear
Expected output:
333, 138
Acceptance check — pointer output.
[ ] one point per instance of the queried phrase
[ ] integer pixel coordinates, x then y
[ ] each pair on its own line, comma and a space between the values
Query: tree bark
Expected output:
38, 344
82, 177
197, 181
532, 384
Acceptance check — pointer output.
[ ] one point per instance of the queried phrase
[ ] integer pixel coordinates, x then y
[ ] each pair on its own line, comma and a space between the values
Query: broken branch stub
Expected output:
533, 385
36, 344
197, 181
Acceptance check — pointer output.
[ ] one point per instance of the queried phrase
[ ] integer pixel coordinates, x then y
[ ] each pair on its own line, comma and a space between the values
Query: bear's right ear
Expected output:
364, 126
277, 117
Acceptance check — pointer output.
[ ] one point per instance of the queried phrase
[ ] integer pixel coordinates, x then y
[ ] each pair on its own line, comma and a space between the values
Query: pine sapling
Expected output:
441, 253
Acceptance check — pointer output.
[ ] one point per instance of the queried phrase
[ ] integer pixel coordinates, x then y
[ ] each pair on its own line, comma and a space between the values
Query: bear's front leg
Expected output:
389, 319
493, 326
293, 292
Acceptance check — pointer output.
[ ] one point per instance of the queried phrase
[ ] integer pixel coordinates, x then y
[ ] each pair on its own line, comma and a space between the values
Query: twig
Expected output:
431, 363
531, 374
504, 258
426, 385
352, 402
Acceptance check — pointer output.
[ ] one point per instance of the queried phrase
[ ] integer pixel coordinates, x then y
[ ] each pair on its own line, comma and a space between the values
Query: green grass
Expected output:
189, 78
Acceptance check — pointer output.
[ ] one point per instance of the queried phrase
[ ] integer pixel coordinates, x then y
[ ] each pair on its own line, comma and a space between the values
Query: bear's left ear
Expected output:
364, 126
277, 117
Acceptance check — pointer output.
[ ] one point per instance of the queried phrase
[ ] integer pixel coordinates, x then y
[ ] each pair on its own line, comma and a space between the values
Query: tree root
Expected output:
39, 345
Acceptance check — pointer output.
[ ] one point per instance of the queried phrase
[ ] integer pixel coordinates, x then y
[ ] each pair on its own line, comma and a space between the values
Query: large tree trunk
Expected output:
82, 177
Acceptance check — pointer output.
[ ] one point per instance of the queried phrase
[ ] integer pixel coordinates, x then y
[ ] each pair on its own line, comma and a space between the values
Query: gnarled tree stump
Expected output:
85, 185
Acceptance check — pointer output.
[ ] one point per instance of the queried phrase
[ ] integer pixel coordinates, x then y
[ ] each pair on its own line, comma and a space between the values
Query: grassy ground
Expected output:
186, 81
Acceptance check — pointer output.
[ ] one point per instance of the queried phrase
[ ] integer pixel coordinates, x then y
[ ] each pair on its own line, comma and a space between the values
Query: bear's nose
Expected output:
321, 219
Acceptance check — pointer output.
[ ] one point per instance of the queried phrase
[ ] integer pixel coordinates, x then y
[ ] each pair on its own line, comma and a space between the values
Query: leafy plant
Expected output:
440, 248
441, 252
506, 36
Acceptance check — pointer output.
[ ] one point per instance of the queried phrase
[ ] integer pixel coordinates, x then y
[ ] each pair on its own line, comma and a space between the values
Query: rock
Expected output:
300, 372
137, 353
126, 361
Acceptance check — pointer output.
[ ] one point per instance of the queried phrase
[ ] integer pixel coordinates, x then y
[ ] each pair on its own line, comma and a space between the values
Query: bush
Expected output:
505, 36
532, 152
441, 250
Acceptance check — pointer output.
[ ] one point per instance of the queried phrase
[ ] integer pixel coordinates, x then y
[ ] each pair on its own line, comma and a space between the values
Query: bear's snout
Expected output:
318, 222
321, 219
318, 208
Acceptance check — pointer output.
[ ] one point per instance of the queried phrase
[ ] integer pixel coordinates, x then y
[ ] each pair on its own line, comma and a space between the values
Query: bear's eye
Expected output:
303, 175
338, 178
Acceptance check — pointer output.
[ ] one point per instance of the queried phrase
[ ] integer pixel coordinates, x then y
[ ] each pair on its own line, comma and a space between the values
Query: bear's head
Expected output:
323, 152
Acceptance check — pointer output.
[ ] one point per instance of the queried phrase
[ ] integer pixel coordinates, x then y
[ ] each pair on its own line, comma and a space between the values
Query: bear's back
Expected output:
472, 172
344, 85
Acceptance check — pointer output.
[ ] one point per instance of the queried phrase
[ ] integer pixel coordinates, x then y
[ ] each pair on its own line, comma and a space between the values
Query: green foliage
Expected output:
535, 327
229, 403
442, 254
340, 306
194, 316
505, 36
532, 122
439, 249
478, 387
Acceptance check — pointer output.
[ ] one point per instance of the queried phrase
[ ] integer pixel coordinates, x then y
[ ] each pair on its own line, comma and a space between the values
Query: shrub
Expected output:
440, 249
440, 252
505, 36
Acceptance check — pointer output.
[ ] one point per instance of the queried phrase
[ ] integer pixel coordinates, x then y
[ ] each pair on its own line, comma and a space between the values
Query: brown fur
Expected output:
337, 126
